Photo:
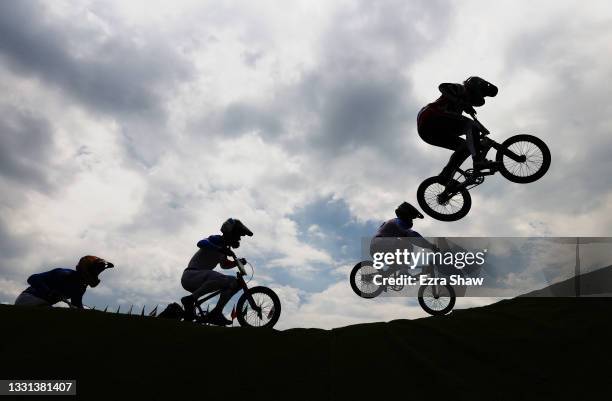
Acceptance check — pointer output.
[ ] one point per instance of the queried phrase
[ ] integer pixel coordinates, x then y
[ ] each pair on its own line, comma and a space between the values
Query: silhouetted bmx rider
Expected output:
53, 286
199, 278
442, 122
392, 234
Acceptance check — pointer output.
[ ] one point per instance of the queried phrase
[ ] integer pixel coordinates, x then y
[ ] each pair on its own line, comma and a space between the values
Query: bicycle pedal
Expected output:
492, 168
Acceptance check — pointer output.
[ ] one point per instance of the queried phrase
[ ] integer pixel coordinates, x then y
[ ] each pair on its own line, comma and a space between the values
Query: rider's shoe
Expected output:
217, 319
483, 164
189, 306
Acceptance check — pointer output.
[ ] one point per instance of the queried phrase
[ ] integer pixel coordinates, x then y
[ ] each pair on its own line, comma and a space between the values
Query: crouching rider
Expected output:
53, 286
199, 278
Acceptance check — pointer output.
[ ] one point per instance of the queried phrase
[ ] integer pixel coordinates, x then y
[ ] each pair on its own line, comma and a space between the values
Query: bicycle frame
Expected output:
472, 178
489, 143
241, 283
406, 270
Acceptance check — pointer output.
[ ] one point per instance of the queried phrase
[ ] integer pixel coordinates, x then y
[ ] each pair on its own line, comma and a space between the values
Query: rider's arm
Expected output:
227, 264
39, 282
418, 240
205, 243
457, 95
77, 301
454, 92
50, 285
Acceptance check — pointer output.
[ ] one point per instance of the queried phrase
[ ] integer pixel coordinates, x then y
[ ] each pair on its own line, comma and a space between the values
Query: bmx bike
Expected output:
434, 298
521, 159
257, 306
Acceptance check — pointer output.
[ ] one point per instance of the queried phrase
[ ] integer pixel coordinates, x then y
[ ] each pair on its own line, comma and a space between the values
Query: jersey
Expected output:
211, 253
58, 284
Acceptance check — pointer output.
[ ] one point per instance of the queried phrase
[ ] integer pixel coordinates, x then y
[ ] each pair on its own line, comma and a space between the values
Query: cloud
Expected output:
26, 147
90, 56
11, 244
9, 290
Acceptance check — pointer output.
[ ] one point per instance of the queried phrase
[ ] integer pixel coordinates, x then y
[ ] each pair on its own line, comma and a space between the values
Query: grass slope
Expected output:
525, 348
593, 283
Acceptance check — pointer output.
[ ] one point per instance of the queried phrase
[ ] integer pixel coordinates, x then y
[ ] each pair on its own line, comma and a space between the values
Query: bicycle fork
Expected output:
437, 289
249, 298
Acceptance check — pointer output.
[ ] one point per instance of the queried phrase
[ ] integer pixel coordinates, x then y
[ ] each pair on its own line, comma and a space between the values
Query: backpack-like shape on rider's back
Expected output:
172, 311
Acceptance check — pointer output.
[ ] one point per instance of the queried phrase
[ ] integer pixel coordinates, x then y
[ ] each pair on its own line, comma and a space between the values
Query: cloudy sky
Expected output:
130, 130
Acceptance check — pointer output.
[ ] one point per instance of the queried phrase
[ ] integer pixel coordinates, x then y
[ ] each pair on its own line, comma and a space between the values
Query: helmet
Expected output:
235, 229
477, 88
90, 267
407, 212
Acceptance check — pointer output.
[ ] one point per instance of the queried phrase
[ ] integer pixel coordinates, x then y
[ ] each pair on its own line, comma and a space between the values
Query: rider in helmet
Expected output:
392, 234
199, 278
57, 285
442, 122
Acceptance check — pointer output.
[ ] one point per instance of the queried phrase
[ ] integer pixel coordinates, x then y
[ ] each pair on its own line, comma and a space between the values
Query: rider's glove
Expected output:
229, 252
243, 261
469, 109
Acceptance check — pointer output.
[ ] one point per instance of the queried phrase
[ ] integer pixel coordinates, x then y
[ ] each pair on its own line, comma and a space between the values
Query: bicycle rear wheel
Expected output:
536, 159
362, 280
429, 195
439, 303
268, 308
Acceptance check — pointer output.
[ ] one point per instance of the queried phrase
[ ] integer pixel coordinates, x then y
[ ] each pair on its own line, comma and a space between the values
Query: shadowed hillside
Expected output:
525, 348
597, 282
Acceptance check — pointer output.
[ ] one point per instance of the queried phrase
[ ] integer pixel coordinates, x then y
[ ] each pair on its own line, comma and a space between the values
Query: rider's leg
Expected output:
213, 283
445, 131
27, 299
189, 307
191, 281
205, 281
231, 288
472, 135
460, 154
455, 161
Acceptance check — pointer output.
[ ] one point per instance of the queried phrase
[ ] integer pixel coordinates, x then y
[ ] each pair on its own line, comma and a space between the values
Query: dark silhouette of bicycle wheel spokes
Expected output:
362, 280
536, 159
521, 159
437, 300
444, 200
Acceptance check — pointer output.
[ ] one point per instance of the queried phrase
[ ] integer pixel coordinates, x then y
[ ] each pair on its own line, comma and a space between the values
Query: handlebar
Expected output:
239, 265
481, 127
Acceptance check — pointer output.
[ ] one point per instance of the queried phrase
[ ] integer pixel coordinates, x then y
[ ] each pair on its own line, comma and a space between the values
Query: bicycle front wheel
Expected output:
437, 300
535, 154
267, 308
